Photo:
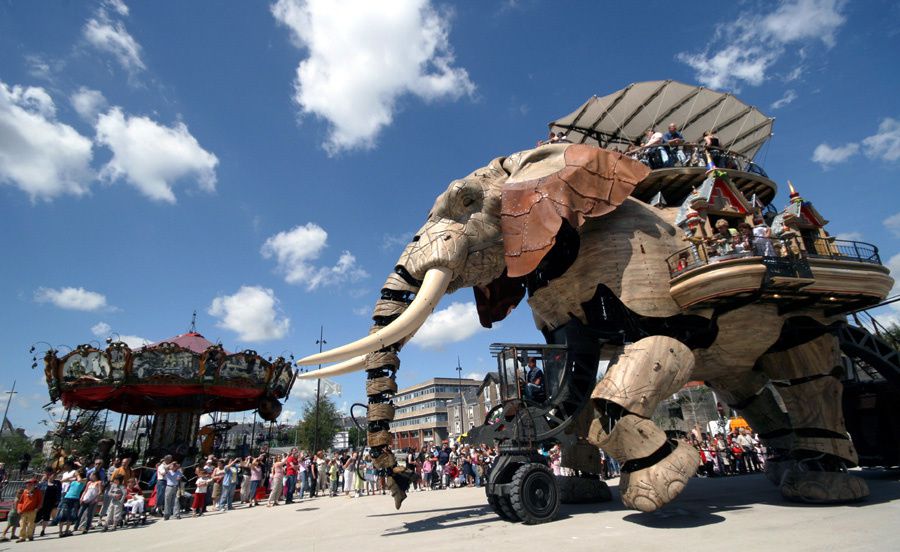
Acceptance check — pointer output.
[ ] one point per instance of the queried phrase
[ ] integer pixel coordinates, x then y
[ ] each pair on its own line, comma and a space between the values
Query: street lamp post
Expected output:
11, 392
321, 341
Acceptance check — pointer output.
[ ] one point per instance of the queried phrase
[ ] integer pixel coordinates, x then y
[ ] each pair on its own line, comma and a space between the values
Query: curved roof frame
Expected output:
624, 116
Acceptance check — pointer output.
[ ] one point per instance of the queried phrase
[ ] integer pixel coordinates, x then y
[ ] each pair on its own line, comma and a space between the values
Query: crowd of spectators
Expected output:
114, 494
736, 453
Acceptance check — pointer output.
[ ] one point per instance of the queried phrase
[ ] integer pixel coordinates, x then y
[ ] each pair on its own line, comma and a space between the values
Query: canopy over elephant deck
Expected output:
669, 260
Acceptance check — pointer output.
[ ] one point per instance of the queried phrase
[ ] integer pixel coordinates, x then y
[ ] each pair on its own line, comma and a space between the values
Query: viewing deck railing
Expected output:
782, 256
665, 156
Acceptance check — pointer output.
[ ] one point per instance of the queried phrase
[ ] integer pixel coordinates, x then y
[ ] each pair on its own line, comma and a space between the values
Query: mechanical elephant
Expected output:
557, 224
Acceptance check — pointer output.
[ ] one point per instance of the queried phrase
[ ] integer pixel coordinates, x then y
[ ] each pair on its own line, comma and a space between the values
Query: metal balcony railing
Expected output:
842, 250
782, 256
666, 156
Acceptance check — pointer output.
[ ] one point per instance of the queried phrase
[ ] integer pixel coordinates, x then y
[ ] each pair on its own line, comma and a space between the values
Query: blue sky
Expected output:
264, 163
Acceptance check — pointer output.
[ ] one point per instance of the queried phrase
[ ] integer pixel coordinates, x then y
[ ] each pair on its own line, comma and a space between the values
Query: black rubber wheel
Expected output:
534, 495
494, 501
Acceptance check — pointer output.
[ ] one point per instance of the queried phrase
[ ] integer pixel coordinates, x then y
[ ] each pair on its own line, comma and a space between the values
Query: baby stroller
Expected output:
135, 511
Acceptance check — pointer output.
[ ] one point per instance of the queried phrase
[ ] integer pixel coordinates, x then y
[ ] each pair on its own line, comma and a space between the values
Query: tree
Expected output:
12, 446
329, 424
892, 335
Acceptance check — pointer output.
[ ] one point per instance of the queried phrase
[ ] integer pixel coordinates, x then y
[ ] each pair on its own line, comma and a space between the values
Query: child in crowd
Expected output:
333, 476
12, 520
199, 501
116, 494
27, 506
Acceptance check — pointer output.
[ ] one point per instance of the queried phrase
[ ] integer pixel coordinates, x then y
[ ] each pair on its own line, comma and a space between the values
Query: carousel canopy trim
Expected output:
624, 116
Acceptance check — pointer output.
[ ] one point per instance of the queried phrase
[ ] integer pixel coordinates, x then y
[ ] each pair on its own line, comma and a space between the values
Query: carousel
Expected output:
169, 384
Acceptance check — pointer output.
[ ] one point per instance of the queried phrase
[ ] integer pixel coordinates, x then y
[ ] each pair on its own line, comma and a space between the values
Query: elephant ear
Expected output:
549, 184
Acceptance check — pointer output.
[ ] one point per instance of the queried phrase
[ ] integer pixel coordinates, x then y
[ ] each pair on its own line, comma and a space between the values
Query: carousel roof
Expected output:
624, 116
191, 341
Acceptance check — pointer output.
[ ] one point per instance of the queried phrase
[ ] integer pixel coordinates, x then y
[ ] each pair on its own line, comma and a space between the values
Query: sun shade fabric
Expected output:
624, 116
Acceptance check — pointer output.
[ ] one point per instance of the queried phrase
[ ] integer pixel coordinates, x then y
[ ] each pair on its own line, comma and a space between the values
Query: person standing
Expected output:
68, 513
245, 480
27, 507
276, 478
12, 519
50, 490
199, 503
218, 475
291, 470
256, 479
88, 502
161, 470
229, 480
173, 481
116, 494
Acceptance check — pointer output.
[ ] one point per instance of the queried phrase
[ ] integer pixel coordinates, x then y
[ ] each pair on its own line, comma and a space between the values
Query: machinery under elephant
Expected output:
558, 224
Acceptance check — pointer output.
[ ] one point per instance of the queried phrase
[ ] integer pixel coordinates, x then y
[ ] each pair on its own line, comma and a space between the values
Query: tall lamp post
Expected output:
459, 388
11, 392
320, 342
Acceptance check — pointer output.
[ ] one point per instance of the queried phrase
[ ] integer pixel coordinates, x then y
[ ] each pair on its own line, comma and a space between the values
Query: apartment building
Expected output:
421, 415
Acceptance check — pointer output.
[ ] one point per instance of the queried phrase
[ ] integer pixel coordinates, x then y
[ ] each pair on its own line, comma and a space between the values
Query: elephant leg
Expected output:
751, 394
806, 380
654, 469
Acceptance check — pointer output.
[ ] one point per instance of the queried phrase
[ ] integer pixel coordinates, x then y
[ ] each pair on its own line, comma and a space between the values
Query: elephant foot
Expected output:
651, 488
398, 482
777, 465
822, 481
582, 490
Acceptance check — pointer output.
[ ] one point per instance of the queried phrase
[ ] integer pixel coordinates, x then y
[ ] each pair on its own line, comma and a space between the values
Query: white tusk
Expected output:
353, 365
434, 285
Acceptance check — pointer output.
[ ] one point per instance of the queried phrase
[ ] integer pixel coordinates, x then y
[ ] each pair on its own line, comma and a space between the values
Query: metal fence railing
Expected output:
782, 256
693, 155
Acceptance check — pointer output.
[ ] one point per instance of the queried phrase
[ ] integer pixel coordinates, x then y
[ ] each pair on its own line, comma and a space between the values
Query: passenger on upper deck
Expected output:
656, 156
725, 238
674, 138
762, 234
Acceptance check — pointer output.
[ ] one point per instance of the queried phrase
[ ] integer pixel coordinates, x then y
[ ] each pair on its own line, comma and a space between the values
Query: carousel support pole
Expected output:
320, 343
253, 434
65, 429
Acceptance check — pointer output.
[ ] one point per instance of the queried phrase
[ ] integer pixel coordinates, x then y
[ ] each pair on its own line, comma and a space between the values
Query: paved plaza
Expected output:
740, 513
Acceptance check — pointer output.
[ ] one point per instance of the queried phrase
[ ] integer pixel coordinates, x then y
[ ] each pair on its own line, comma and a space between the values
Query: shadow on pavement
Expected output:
704, 498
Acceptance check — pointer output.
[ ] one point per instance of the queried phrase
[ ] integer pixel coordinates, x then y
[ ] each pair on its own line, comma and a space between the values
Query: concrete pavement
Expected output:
740, 513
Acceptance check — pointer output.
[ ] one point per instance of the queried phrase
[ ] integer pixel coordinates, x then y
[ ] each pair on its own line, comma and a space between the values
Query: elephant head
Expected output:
488, 231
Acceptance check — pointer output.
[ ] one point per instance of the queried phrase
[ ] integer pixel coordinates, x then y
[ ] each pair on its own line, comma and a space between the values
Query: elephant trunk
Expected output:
381, 369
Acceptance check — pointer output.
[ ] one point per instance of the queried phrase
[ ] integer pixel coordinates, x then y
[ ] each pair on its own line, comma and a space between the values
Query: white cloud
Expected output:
457, 322
892, 223
362, 311
289, 417
88, 103
38, 67
852, 236
101, 329
474, 375
108, 35
71, 298
252, 313
826, 155
363, 57
743, 50
893, 265
39, 155
885, 144
152, 157
789, 96
118, 6
295, 250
